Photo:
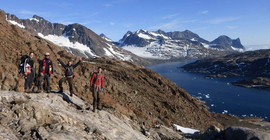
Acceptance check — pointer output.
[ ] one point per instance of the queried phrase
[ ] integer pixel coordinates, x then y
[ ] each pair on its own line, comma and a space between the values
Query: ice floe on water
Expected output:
225, 112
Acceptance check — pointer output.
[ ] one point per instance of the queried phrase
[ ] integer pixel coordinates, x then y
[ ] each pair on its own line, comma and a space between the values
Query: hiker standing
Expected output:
45, 71
96, 85
69, 75
29, 72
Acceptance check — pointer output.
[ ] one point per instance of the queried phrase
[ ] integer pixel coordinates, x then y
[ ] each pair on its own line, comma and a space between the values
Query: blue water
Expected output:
220, 96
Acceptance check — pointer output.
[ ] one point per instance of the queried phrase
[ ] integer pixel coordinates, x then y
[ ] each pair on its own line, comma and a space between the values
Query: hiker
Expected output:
45, 72
27, 65
96, 85
69, 75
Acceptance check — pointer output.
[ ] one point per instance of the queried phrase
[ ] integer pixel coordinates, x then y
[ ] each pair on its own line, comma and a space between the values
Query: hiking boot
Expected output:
48, 91
71, 94
94, 110
39, 91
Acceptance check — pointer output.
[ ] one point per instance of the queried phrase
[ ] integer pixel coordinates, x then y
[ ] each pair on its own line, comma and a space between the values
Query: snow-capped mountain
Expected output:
173, 45
75, 38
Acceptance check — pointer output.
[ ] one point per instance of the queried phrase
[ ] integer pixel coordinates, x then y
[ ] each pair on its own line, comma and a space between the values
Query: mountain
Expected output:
226, 43
75, 38
136, 100
254, 64
175, 45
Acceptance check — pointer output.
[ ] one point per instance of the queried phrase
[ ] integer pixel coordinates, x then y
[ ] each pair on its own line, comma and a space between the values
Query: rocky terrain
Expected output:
177, 45
138, 100
254, 64
75, 38
130, 89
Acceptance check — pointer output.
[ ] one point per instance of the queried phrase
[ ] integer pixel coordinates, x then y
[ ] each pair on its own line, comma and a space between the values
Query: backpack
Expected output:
70, 72
95, 77
22, 63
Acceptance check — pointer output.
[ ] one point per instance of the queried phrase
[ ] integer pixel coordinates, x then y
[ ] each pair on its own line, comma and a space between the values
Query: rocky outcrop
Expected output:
59, 116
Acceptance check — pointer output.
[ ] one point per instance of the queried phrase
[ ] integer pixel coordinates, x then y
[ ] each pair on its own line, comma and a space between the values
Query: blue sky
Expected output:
247, 19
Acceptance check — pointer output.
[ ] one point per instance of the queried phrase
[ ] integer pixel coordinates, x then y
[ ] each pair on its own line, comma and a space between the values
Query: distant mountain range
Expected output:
75, 38
171, 45
79, 40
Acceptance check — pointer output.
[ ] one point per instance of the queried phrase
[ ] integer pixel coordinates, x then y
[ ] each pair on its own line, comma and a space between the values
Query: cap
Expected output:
47, 54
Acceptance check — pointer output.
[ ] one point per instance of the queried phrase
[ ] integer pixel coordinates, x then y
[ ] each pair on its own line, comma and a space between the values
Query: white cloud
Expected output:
204, 12
170, 16
172, 25
26, 12
112, 23
108, 5
189, 21
231, 27
222, 20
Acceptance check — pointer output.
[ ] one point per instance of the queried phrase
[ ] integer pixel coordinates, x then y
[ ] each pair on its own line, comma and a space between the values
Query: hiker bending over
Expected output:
45, 72
69, 75
96, 85
26, 67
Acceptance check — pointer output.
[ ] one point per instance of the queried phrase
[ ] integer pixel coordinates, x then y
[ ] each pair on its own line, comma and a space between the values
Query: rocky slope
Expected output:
177, 45
130, 89
75, 38
249, 64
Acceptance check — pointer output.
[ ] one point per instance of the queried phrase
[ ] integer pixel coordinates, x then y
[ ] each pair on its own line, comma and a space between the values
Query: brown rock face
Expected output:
130, 89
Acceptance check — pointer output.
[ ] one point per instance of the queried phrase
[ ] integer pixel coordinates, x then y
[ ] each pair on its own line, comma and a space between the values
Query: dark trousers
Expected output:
28, 81
96, 98
45, 77
70, 83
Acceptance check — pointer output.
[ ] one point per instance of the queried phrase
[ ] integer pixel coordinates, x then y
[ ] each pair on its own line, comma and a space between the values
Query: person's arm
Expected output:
52, 66
62, 63
102, 82
92, 79
40, 66
77, 64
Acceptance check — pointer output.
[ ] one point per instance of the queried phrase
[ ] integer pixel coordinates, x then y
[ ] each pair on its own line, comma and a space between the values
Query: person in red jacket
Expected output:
96, 84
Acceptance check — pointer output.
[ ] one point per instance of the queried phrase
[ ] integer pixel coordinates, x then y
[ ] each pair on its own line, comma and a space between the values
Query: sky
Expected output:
247, 19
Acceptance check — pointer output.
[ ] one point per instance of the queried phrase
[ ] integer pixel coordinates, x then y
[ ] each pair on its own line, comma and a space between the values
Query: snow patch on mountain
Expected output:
185, 130
63, 41
168, 50
34, 19
141, 35
159, 35
237, 49
16, 23
110, 52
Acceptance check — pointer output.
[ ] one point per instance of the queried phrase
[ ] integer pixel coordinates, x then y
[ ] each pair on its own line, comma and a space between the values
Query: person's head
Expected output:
99, 69
31, 54
69, 63
47, 55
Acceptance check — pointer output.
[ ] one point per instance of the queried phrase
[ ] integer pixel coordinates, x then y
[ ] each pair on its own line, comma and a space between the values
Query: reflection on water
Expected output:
219, 94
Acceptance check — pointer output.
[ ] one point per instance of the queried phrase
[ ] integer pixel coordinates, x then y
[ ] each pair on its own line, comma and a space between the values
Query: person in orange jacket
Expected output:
96, 84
